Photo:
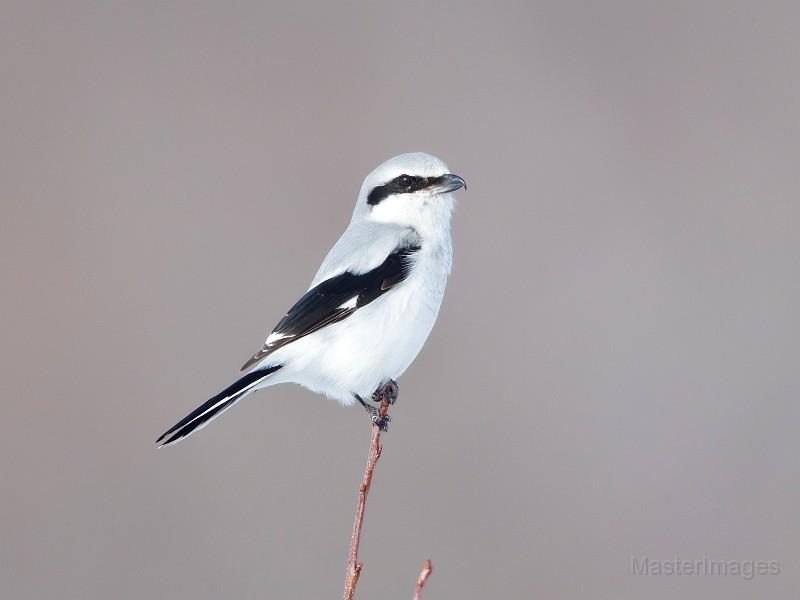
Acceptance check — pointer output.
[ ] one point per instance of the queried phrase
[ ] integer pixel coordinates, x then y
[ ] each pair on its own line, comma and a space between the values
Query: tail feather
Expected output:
206, 412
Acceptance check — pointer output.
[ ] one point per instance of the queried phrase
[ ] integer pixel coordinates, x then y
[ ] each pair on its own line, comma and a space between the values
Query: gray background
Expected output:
614, 370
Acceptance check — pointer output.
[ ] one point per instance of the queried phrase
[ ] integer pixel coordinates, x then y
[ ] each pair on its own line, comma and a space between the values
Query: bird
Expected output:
372, 304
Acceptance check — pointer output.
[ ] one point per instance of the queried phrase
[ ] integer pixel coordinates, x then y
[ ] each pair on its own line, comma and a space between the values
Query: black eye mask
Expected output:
404, 184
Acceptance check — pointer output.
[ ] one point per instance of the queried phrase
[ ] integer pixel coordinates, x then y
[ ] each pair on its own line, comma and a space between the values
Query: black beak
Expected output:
446, 183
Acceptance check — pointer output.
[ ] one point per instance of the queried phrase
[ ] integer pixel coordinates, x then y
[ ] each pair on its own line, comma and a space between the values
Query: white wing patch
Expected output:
350, 303
276, 337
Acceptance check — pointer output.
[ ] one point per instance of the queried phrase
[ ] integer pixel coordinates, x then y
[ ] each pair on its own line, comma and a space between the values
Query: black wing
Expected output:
335, 299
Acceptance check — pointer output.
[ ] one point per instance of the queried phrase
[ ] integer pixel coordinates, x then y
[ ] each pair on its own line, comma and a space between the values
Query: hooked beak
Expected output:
446, 183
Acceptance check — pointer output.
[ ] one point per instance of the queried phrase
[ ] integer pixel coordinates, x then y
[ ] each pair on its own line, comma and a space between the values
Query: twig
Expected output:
353, 564
427, 569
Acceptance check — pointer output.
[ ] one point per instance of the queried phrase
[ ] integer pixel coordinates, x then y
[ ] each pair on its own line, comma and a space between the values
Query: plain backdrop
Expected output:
613, 374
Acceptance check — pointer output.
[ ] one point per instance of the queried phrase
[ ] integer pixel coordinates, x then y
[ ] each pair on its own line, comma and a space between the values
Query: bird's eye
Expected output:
404, 181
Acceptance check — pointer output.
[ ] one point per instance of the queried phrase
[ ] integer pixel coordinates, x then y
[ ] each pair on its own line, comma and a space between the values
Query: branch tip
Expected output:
427, 569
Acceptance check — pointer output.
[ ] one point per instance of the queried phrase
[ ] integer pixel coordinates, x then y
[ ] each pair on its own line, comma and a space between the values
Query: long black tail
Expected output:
206, 412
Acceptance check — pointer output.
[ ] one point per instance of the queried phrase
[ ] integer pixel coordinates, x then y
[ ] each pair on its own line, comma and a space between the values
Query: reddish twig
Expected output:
353, 564
427, 569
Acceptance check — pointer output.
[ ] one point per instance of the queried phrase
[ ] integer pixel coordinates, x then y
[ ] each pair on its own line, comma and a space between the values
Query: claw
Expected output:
389, 390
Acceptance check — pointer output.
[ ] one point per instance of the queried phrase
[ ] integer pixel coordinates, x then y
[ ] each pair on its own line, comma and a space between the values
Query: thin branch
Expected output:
353, 564
427, 569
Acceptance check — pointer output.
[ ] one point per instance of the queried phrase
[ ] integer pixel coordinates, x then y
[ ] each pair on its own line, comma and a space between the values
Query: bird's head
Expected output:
410, 190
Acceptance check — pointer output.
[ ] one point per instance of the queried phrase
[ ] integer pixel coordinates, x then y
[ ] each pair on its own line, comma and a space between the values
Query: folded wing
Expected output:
335, 299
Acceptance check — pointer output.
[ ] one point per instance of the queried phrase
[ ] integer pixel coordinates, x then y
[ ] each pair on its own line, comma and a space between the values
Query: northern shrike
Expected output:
373, 301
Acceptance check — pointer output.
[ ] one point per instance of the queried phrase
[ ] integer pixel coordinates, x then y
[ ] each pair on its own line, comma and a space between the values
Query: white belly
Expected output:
376, 343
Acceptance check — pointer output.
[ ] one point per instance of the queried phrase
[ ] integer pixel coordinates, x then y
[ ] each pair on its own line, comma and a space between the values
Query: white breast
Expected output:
379, 341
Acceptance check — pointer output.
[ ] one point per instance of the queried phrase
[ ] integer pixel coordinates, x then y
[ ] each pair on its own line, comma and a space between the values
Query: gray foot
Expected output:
381, 421
389, 390
375, 414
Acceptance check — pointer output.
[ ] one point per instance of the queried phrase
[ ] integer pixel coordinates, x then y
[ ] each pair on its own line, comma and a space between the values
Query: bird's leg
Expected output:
370, 409
385, 395
389, 390
375, 414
